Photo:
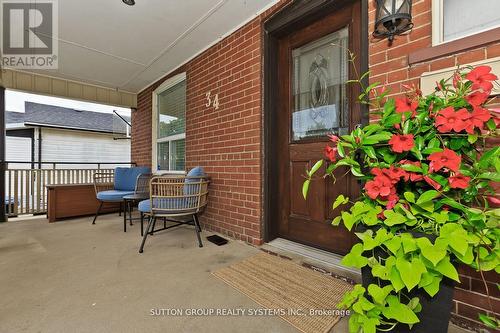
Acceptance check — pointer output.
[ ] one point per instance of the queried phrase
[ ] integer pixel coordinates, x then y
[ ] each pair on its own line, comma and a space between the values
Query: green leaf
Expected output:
409, 244
348, 220
356, 171
379, 294
489, 321
488, 156
315, 167
425, 200
433, 287
305, 188
410, 272
393, 245
429, 151
341, 200
446, 268
336, 221
393, 218
427, 196
393, 119
494, 176
398, 311
355, 257
410, 196
370, 151
491, 124
433, 253
472, 138
396, 280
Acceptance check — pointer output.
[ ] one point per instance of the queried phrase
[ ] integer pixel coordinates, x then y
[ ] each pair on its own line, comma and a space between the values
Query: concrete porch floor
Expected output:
72, 276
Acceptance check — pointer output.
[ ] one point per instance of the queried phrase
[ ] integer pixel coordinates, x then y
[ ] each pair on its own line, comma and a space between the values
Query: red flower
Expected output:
331, 153
477, 98
481, 78
401, 143
377, 187
447, 120
495, 201
459, 181
432, 182
479, 116
447, 158
413, 176
333, 138
392, 199
406, 105
389, 175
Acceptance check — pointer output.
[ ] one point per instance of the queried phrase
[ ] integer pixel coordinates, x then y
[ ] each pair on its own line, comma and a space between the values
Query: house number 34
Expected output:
212, 100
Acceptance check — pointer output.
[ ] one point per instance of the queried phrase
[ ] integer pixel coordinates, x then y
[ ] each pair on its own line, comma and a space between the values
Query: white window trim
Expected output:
154, 114
438, 25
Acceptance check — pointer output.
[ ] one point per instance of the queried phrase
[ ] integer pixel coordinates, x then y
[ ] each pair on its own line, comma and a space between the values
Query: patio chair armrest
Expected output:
103, 181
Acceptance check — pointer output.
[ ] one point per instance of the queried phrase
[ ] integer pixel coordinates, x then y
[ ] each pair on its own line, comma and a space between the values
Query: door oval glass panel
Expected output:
320, 72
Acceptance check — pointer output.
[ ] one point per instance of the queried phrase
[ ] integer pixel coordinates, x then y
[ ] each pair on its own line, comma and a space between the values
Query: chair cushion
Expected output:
125, 178
113, 195
164, 206
194, 172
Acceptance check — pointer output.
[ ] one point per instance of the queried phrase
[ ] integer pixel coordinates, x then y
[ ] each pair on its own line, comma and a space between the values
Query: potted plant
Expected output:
426, 201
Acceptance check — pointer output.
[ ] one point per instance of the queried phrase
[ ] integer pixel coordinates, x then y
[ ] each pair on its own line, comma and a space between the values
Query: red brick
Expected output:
471, 56
443, 63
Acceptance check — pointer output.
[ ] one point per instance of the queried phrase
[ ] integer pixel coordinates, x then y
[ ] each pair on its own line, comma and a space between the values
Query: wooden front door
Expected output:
314, 100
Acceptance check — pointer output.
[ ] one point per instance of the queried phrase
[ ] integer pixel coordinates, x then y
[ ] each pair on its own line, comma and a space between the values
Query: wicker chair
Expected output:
113, 186
174, 198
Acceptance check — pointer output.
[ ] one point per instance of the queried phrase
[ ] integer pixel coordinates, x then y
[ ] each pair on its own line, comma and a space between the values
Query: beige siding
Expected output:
40, 84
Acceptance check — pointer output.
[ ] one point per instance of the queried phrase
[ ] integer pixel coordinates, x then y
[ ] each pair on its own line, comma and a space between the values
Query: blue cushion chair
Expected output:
174, 198
112, 188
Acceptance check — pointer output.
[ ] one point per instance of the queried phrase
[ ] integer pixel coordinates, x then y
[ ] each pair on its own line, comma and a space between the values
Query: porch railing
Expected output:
25, 182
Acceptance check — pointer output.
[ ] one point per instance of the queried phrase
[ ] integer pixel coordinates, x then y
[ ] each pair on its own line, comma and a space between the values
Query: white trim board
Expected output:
326, 258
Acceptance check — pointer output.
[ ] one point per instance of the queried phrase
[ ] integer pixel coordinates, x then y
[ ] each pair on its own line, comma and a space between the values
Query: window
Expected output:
169, 125
454, 19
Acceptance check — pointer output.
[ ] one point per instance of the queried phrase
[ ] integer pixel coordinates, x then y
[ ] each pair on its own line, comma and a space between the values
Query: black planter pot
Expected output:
436, 311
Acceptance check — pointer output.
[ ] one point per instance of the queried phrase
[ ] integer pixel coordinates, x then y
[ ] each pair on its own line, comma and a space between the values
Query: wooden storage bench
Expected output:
71, 200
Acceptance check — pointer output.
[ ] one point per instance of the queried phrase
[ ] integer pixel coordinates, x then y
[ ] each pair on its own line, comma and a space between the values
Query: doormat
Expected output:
304, 298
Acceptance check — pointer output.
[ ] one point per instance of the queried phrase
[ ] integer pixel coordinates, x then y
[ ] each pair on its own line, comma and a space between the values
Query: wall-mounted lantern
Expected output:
393, 18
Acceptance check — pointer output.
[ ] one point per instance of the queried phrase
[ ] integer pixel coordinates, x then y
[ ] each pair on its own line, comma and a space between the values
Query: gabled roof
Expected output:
55, 116
14, 117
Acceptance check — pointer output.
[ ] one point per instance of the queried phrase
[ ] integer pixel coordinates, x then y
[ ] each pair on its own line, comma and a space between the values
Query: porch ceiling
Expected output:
110, 44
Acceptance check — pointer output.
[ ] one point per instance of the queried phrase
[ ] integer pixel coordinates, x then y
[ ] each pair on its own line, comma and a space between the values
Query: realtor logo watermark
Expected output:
29, 36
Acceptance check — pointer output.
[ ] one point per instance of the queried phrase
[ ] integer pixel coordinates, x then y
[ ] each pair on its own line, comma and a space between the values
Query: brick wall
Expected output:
389, 64
227, 141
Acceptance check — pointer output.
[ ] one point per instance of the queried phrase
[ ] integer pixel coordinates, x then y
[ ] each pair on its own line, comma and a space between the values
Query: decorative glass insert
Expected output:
320, 72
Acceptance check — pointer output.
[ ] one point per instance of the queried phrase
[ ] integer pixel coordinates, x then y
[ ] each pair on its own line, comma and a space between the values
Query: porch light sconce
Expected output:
393, 18
129, 2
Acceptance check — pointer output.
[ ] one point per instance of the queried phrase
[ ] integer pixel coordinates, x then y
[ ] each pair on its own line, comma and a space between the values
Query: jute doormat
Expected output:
292, 290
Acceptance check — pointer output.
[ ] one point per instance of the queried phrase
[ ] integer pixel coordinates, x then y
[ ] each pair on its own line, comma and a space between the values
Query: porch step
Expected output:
314, 258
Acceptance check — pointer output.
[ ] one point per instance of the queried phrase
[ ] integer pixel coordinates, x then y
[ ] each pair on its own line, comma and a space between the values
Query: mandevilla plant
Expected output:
425, 206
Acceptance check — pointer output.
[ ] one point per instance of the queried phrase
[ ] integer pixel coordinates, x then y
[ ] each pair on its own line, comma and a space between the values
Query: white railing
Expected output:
25, 186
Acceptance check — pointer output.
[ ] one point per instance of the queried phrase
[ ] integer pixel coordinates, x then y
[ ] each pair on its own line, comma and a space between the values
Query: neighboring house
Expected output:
55, 134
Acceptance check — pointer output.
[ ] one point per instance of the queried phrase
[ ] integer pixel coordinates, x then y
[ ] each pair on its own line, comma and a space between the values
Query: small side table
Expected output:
129, 201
